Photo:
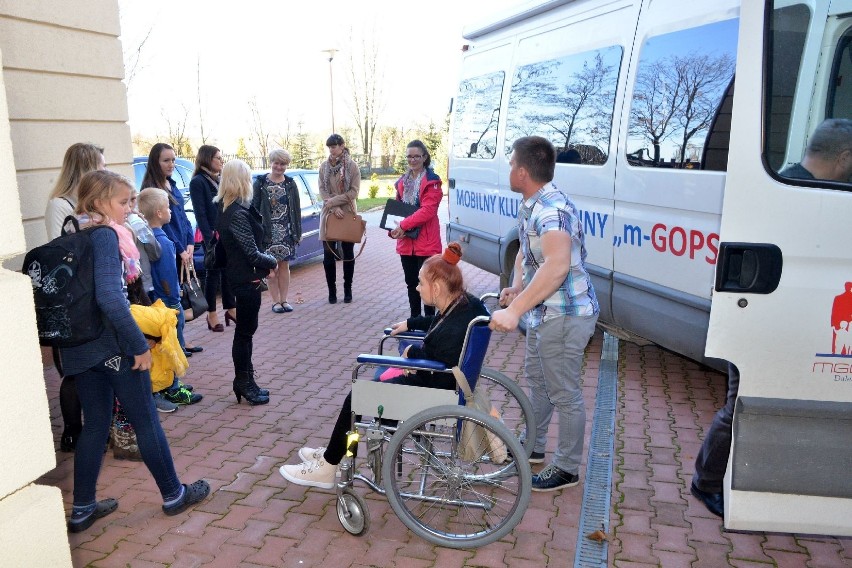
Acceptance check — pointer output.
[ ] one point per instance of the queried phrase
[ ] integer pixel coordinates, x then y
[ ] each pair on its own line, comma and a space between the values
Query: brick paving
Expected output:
254, 518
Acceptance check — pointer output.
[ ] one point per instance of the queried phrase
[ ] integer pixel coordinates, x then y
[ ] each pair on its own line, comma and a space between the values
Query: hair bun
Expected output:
453, 253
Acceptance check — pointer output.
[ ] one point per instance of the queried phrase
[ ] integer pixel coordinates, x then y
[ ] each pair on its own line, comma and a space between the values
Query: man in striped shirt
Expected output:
553, 289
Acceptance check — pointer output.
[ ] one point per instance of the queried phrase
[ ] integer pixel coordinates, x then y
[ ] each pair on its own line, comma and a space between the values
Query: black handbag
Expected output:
214, 253
191, 294
396, 211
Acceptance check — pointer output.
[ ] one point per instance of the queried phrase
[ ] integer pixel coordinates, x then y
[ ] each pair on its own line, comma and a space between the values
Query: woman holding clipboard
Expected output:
418, 234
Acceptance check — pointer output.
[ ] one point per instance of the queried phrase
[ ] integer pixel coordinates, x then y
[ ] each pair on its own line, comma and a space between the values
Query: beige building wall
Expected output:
60, 83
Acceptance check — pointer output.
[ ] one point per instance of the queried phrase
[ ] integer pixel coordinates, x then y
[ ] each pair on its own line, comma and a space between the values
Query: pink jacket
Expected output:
428, 242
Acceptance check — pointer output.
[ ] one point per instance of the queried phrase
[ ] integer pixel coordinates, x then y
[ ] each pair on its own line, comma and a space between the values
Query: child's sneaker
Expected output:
190, 388
181, 396
311, 474
162, 404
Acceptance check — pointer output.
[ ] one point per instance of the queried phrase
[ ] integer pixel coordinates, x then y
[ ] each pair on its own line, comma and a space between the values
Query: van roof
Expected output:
511, 16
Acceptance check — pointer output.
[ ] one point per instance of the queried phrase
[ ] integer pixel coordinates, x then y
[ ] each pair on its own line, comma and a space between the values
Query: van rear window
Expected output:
569, 101
680, 109
477, 110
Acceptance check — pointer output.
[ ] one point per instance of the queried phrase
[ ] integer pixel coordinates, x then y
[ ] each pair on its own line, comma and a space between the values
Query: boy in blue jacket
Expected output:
154, 206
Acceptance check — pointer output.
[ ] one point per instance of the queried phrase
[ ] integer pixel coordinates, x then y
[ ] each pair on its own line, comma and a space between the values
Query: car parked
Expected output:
306, 180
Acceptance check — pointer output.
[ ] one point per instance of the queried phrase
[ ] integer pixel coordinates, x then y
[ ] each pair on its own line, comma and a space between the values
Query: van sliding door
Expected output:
673, 153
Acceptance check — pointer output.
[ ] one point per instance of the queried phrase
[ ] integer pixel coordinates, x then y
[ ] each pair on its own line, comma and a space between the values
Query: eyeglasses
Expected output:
415, 157
220, 158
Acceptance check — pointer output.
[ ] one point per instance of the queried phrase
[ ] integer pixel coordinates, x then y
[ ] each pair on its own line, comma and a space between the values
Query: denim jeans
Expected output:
552, 365
248, 306
97, 387
712, 459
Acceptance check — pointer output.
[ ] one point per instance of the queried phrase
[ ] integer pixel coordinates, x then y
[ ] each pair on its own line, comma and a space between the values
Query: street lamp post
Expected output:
331, 53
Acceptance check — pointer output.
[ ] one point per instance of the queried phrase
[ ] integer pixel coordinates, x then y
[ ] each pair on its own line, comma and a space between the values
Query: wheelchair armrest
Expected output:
406, 334
402, 362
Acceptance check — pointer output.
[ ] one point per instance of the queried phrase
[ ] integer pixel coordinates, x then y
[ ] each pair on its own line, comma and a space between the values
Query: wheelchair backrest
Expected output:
474, 350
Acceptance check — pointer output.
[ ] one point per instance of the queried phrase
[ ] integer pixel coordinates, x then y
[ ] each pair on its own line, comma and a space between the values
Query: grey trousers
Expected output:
712, 459
552, 365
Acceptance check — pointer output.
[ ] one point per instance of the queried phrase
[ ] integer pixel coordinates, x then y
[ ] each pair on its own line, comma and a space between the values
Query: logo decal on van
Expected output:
839, 361
841, 322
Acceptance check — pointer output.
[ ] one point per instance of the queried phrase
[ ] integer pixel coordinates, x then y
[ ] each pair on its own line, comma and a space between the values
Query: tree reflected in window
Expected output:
568, 101
679, 90
477, 110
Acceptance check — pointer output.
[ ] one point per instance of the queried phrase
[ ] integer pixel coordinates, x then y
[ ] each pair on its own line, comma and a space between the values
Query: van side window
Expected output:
569, 101
678, 115
475, 117
788, 31
808, 138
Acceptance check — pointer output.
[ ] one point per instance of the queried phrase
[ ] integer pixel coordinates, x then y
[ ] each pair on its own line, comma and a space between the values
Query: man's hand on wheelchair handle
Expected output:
504, 320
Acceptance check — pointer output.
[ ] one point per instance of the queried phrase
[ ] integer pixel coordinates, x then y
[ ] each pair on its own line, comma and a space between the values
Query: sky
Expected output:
271, 52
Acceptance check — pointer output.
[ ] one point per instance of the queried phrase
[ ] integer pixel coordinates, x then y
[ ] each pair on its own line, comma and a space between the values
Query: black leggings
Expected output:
411, 265
212, 281
248, 307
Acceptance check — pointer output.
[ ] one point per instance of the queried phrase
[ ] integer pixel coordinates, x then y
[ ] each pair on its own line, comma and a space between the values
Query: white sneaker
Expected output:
312, 454
316, 473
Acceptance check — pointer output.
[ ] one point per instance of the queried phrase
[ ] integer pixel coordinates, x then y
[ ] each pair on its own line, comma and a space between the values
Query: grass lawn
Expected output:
365, 202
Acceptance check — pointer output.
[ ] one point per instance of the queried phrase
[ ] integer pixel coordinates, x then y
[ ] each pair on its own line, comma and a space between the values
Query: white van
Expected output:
676, 176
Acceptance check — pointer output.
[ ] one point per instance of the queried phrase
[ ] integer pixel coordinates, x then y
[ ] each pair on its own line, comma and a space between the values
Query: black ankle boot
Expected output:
332, 296
68, 441
253, 373
245, 388
347, 294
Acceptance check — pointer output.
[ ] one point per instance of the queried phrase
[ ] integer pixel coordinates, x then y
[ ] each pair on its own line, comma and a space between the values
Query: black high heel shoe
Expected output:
217, 328
229, 318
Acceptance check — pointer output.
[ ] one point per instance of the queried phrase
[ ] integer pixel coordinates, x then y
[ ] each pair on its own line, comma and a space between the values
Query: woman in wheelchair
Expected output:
442, 286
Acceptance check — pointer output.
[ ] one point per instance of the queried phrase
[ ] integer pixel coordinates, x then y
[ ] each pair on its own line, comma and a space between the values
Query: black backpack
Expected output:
63, 277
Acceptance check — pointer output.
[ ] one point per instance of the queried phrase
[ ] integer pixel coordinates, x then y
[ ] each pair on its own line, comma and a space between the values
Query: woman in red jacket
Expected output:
418, 235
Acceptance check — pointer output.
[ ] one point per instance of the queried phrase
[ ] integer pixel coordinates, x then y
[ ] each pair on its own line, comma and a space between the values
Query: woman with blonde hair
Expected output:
79, 159
241, 234
276, 197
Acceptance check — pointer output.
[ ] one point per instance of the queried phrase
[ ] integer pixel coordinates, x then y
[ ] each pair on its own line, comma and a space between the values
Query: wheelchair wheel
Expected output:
353, 513
448, 500
512, 403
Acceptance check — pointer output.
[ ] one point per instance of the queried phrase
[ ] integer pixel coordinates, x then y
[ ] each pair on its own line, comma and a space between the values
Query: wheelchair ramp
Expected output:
598, 479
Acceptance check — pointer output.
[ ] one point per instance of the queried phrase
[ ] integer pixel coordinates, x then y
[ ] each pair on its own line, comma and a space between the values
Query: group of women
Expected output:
259, 228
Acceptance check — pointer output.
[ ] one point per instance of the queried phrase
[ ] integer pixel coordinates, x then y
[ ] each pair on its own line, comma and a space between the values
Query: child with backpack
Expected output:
116, 363
154, 206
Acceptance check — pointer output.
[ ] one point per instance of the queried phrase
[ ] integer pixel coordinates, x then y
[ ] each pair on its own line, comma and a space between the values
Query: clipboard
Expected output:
396, 211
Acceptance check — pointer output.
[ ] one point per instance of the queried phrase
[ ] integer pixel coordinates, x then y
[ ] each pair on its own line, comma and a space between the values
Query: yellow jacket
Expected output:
167, 356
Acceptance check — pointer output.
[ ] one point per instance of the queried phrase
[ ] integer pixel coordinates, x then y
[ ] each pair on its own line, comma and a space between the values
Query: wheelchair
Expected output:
447, 492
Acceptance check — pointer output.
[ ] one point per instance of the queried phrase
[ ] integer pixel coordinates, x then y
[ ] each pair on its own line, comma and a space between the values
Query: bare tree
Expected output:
656, 99
678, 91
366, 76
200, 105
703, 77
259, 132
286, 139
176, 136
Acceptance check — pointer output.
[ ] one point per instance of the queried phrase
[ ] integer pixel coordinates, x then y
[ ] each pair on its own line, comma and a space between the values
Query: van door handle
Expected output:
753, 268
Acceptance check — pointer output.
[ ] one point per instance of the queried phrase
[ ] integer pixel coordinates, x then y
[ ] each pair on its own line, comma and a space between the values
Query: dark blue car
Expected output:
306, 180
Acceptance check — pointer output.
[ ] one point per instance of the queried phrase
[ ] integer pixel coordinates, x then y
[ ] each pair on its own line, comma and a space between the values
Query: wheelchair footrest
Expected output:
402, 362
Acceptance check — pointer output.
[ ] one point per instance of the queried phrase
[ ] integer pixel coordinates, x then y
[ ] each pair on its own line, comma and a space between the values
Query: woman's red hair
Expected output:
444, 267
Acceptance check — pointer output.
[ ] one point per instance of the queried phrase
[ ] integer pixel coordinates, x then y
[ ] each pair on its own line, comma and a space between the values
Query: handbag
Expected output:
395, 211
214, 253
350, 229
191, 295
476, 441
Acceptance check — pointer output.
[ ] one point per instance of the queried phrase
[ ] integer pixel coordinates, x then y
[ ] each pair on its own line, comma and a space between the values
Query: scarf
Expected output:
411, 187
337, 166
211, 177
126, 244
